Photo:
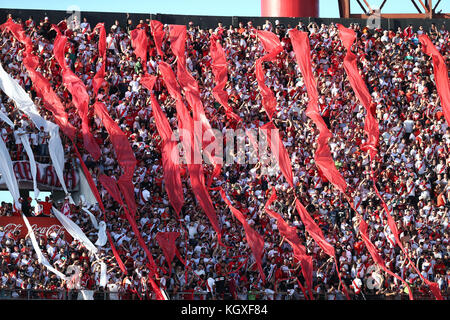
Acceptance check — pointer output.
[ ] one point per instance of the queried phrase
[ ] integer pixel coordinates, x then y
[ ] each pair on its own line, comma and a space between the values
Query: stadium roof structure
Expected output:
429, 8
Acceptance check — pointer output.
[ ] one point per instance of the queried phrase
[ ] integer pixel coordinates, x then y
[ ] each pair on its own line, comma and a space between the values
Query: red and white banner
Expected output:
45, 176
42, 227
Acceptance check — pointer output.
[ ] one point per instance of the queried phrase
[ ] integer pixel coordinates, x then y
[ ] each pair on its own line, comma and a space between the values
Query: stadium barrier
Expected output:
33, 294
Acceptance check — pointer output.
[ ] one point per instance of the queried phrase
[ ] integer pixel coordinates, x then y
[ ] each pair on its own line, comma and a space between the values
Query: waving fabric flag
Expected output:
24, 103
322, 156
371, 129
100, 75
277, 147
167, 243
254, 239
272, 45
157, 29
191, 148
220, 71
192, 94
440, 74
170, 158
139, 42
79, 94
291, 236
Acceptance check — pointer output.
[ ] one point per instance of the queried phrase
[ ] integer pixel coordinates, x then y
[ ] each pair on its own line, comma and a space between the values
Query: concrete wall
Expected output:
203, 21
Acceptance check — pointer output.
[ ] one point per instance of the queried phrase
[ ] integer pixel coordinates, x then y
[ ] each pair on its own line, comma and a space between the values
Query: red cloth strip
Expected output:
254, 239
157, 30
167, 243
316, 233
170, 157
79, 94
434, 287
371, 129
272, 45
185, 125
220, 71
291, 236
278, 148
322, 157
440, 74
139, 42
42, 86
100, 75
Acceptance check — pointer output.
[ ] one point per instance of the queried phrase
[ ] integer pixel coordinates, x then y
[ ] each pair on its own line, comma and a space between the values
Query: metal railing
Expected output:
63, 294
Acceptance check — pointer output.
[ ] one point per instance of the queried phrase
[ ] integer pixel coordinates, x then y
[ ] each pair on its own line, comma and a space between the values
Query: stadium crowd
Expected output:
412, 169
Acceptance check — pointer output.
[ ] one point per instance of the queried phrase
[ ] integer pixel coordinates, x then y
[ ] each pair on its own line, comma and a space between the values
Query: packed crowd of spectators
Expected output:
412, 169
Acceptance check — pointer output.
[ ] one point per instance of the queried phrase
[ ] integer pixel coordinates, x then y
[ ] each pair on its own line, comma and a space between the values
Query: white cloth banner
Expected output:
102, 237
103, 275
7, 172
74, 230
92, 217
24, 103
41, 259
5, 118
26, 144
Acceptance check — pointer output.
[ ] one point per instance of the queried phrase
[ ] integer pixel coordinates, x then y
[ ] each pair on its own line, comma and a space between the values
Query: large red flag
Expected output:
157, 30
220, 71
376, 257
440, 74
322, 157
371, 129
41, 85
167, 243
434, 287
170, 157
272, 45
192, 93
291, 236
100, 75
79, 94
277, 147
254, 239
191, 148
139, 42
316, 233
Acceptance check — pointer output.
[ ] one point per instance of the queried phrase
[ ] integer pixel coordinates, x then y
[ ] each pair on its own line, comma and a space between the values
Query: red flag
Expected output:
100, 75
139, 42
316, 233
440, 74
376, 257
192, 94
41, 85
170, 159
124, 153
185, 124
291, 236
277, 147
434, 287
272, 45
167, 243
220, 71
254, 239
177, 37
322, 157
79, 94
116, 254
371, 129
157, 30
